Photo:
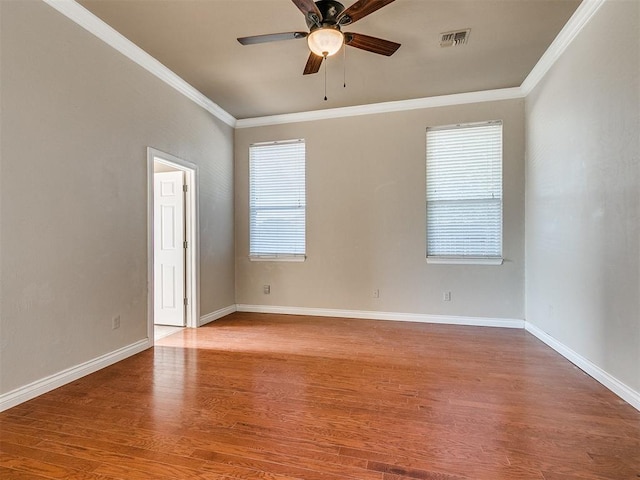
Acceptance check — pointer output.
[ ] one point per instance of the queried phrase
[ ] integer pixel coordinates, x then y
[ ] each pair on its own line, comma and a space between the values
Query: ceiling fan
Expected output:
325, 19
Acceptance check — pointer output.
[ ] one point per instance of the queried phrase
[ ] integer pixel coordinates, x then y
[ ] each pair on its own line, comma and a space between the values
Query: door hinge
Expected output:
186, 301
185, 244
185, 188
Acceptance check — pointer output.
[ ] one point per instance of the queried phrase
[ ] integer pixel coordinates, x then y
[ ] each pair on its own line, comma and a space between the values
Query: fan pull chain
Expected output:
325, 77
344, 66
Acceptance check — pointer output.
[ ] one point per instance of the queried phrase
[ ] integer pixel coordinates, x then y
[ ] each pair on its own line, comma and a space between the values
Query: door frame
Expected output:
192, 229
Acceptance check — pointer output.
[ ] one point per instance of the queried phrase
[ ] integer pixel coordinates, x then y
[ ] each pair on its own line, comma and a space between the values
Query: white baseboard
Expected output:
373, 315
210, 317
44, 385
616, 386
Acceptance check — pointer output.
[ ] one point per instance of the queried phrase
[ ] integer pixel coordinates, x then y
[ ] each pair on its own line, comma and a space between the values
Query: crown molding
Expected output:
386, 107
576, 23
87, 20
78, 14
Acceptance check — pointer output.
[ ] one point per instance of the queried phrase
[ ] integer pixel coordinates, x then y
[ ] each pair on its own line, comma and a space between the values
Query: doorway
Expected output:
173, 281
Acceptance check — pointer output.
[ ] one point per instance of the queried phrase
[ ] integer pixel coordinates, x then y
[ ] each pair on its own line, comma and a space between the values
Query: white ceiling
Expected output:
197, 40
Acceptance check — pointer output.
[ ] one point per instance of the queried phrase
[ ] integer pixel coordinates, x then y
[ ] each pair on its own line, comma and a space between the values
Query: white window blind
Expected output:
277, 202
464, 191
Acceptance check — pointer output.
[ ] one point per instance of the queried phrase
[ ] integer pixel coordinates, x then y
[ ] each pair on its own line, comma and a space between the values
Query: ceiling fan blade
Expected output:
361, 9
313, 64
310, 10
371, 44
271, 37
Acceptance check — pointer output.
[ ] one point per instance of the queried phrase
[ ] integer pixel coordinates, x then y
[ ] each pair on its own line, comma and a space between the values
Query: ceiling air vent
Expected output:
454, 39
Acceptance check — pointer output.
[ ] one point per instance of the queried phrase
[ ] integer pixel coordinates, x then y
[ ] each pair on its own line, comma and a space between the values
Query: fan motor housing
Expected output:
330, 10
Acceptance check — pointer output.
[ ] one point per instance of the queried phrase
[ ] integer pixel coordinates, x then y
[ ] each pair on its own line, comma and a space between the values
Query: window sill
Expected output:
465, 260
277, 258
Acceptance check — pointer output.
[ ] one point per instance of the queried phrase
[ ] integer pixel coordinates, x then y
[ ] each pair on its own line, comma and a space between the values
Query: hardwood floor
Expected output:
285, 397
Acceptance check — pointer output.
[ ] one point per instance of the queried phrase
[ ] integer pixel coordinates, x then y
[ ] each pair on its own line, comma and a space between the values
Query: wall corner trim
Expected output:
394, 316
623, 391
222, 312
44, 385
94, 25
576, 23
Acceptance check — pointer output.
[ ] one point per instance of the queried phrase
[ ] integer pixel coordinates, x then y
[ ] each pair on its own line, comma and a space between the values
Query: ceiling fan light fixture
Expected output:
325, 41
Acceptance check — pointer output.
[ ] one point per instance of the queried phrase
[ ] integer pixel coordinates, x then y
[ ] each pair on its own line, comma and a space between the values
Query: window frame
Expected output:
466, 259
280, 256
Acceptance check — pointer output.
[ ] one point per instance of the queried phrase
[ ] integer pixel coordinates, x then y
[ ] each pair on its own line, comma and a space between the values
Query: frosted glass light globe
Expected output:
325, 41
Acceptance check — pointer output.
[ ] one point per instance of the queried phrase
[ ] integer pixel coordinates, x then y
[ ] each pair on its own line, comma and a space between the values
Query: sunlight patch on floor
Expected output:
161, 331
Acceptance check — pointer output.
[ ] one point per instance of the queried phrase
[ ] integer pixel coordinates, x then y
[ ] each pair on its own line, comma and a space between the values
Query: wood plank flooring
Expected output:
288, 397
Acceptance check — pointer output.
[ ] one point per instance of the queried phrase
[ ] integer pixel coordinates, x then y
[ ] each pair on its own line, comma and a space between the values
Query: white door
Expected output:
169, 248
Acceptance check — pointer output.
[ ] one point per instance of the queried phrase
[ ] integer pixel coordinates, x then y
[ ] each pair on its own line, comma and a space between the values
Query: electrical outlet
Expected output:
266, 289
446, 296
115, 322
376, 293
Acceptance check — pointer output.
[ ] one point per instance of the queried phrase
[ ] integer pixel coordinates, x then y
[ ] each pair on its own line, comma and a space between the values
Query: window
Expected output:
277, 202
464, 193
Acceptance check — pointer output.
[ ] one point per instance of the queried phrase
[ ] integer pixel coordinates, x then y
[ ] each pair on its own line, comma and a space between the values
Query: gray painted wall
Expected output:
583, 200
77, 118
366, 219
